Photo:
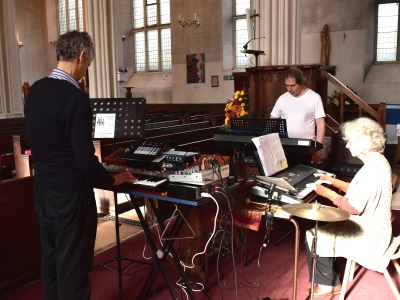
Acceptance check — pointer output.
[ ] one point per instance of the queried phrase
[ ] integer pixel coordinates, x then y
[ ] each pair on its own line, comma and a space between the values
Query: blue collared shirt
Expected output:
61, 75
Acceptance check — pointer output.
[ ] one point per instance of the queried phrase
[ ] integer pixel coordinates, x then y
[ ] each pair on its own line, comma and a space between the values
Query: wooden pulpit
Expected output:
267, 83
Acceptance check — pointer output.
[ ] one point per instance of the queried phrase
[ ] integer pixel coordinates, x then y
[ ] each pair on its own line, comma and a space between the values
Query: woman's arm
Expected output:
340, 184
340, 201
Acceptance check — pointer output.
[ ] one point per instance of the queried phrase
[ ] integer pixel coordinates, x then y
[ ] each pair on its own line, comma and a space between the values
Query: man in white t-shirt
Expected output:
301, 107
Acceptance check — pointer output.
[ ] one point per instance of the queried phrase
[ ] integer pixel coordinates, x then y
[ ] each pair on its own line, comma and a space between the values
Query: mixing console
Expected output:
195, 175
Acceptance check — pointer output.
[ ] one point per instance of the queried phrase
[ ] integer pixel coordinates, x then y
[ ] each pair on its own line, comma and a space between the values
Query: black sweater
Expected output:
58, 120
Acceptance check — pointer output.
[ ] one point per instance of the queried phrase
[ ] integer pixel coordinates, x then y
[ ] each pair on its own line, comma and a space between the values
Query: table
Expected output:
173, 232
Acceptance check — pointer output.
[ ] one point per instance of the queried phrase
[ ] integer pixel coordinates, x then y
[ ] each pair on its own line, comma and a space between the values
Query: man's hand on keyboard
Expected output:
124, 177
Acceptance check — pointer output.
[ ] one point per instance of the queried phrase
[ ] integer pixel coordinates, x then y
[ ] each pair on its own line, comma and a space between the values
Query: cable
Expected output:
215, 225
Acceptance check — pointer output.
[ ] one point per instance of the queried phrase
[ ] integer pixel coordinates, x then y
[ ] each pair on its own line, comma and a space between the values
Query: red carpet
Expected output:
275, 281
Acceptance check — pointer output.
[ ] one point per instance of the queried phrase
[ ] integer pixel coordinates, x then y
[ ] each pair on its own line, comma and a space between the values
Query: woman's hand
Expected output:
312, 186
323, 178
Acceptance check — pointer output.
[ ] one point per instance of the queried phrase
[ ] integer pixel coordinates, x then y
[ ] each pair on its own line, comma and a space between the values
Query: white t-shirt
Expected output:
300, 113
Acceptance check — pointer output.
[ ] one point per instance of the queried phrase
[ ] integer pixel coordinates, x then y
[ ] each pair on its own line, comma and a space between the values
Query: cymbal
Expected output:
316, 211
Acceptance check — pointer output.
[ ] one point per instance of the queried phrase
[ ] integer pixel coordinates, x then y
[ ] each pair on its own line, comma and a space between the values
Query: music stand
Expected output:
259, 126
128, 116
127, 113
256, 54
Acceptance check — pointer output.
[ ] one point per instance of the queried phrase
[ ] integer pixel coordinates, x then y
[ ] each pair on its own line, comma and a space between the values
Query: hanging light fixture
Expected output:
189, 22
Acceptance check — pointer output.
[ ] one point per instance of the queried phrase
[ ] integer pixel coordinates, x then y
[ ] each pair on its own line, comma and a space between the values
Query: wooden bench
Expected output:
20, 252
157, 125
108, 146
215, 118
8, 128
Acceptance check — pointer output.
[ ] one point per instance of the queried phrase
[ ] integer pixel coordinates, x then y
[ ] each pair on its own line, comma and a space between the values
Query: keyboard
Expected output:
290, 145
298, 177
147, 180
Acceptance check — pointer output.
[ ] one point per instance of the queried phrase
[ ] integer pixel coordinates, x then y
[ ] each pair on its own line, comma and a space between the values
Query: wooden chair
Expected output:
350, 267
25, 89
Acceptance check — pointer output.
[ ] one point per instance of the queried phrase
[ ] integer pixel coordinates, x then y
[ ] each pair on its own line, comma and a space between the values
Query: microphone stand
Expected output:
314, 256
269, 215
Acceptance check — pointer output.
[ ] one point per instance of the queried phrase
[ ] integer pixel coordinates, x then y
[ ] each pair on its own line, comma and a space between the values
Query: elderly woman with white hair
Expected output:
366, 236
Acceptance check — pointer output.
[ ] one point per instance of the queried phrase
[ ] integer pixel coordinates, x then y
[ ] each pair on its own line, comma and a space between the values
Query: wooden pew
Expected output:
23, 162
20, 252
25, 89
174, 115
193, 117
162, 124
108, 146
215, 118
156, 116
8, 128
176, 129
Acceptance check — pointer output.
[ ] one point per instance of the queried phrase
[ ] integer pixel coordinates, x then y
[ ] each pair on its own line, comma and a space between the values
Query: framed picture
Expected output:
214, 81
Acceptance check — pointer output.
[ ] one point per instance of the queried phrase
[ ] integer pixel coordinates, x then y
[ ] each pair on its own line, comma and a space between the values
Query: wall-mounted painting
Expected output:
195, 64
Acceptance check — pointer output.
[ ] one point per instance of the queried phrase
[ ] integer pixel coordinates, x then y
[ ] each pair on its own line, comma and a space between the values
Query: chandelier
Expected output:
189, 22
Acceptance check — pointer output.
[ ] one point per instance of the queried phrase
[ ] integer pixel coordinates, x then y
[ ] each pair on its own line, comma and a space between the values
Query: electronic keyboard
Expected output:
290, 145
298, 177
147, 180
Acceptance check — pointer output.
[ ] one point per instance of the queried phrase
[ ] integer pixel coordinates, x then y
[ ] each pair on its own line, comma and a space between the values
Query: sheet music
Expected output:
105, 126
270, 151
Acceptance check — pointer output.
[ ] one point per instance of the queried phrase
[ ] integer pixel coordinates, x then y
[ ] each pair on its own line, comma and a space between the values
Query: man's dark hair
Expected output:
72, 43
297, 75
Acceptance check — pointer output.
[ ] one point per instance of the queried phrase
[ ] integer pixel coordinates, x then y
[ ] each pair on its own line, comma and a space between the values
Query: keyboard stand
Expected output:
167, 248
118, 258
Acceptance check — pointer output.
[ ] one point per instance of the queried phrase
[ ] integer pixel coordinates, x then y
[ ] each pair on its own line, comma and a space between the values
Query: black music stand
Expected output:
258, 126
129, 116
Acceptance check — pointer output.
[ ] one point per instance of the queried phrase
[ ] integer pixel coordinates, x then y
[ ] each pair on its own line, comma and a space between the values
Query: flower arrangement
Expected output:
238, 107
336, 96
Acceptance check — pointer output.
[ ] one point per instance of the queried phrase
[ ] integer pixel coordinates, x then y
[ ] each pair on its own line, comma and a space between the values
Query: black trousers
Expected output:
68, 224
325, 273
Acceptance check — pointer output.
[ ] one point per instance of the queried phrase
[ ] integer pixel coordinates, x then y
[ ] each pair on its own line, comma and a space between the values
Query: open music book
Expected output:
271, 154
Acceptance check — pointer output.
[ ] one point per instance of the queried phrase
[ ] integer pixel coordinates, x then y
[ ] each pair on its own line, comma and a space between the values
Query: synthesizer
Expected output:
148, 150
290, 145
296, 177
147, 180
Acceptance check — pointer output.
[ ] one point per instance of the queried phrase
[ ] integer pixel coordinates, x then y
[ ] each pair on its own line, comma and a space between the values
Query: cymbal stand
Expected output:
314, 257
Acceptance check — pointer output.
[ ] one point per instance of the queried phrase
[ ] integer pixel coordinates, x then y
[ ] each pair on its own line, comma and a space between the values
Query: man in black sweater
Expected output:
59, 126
